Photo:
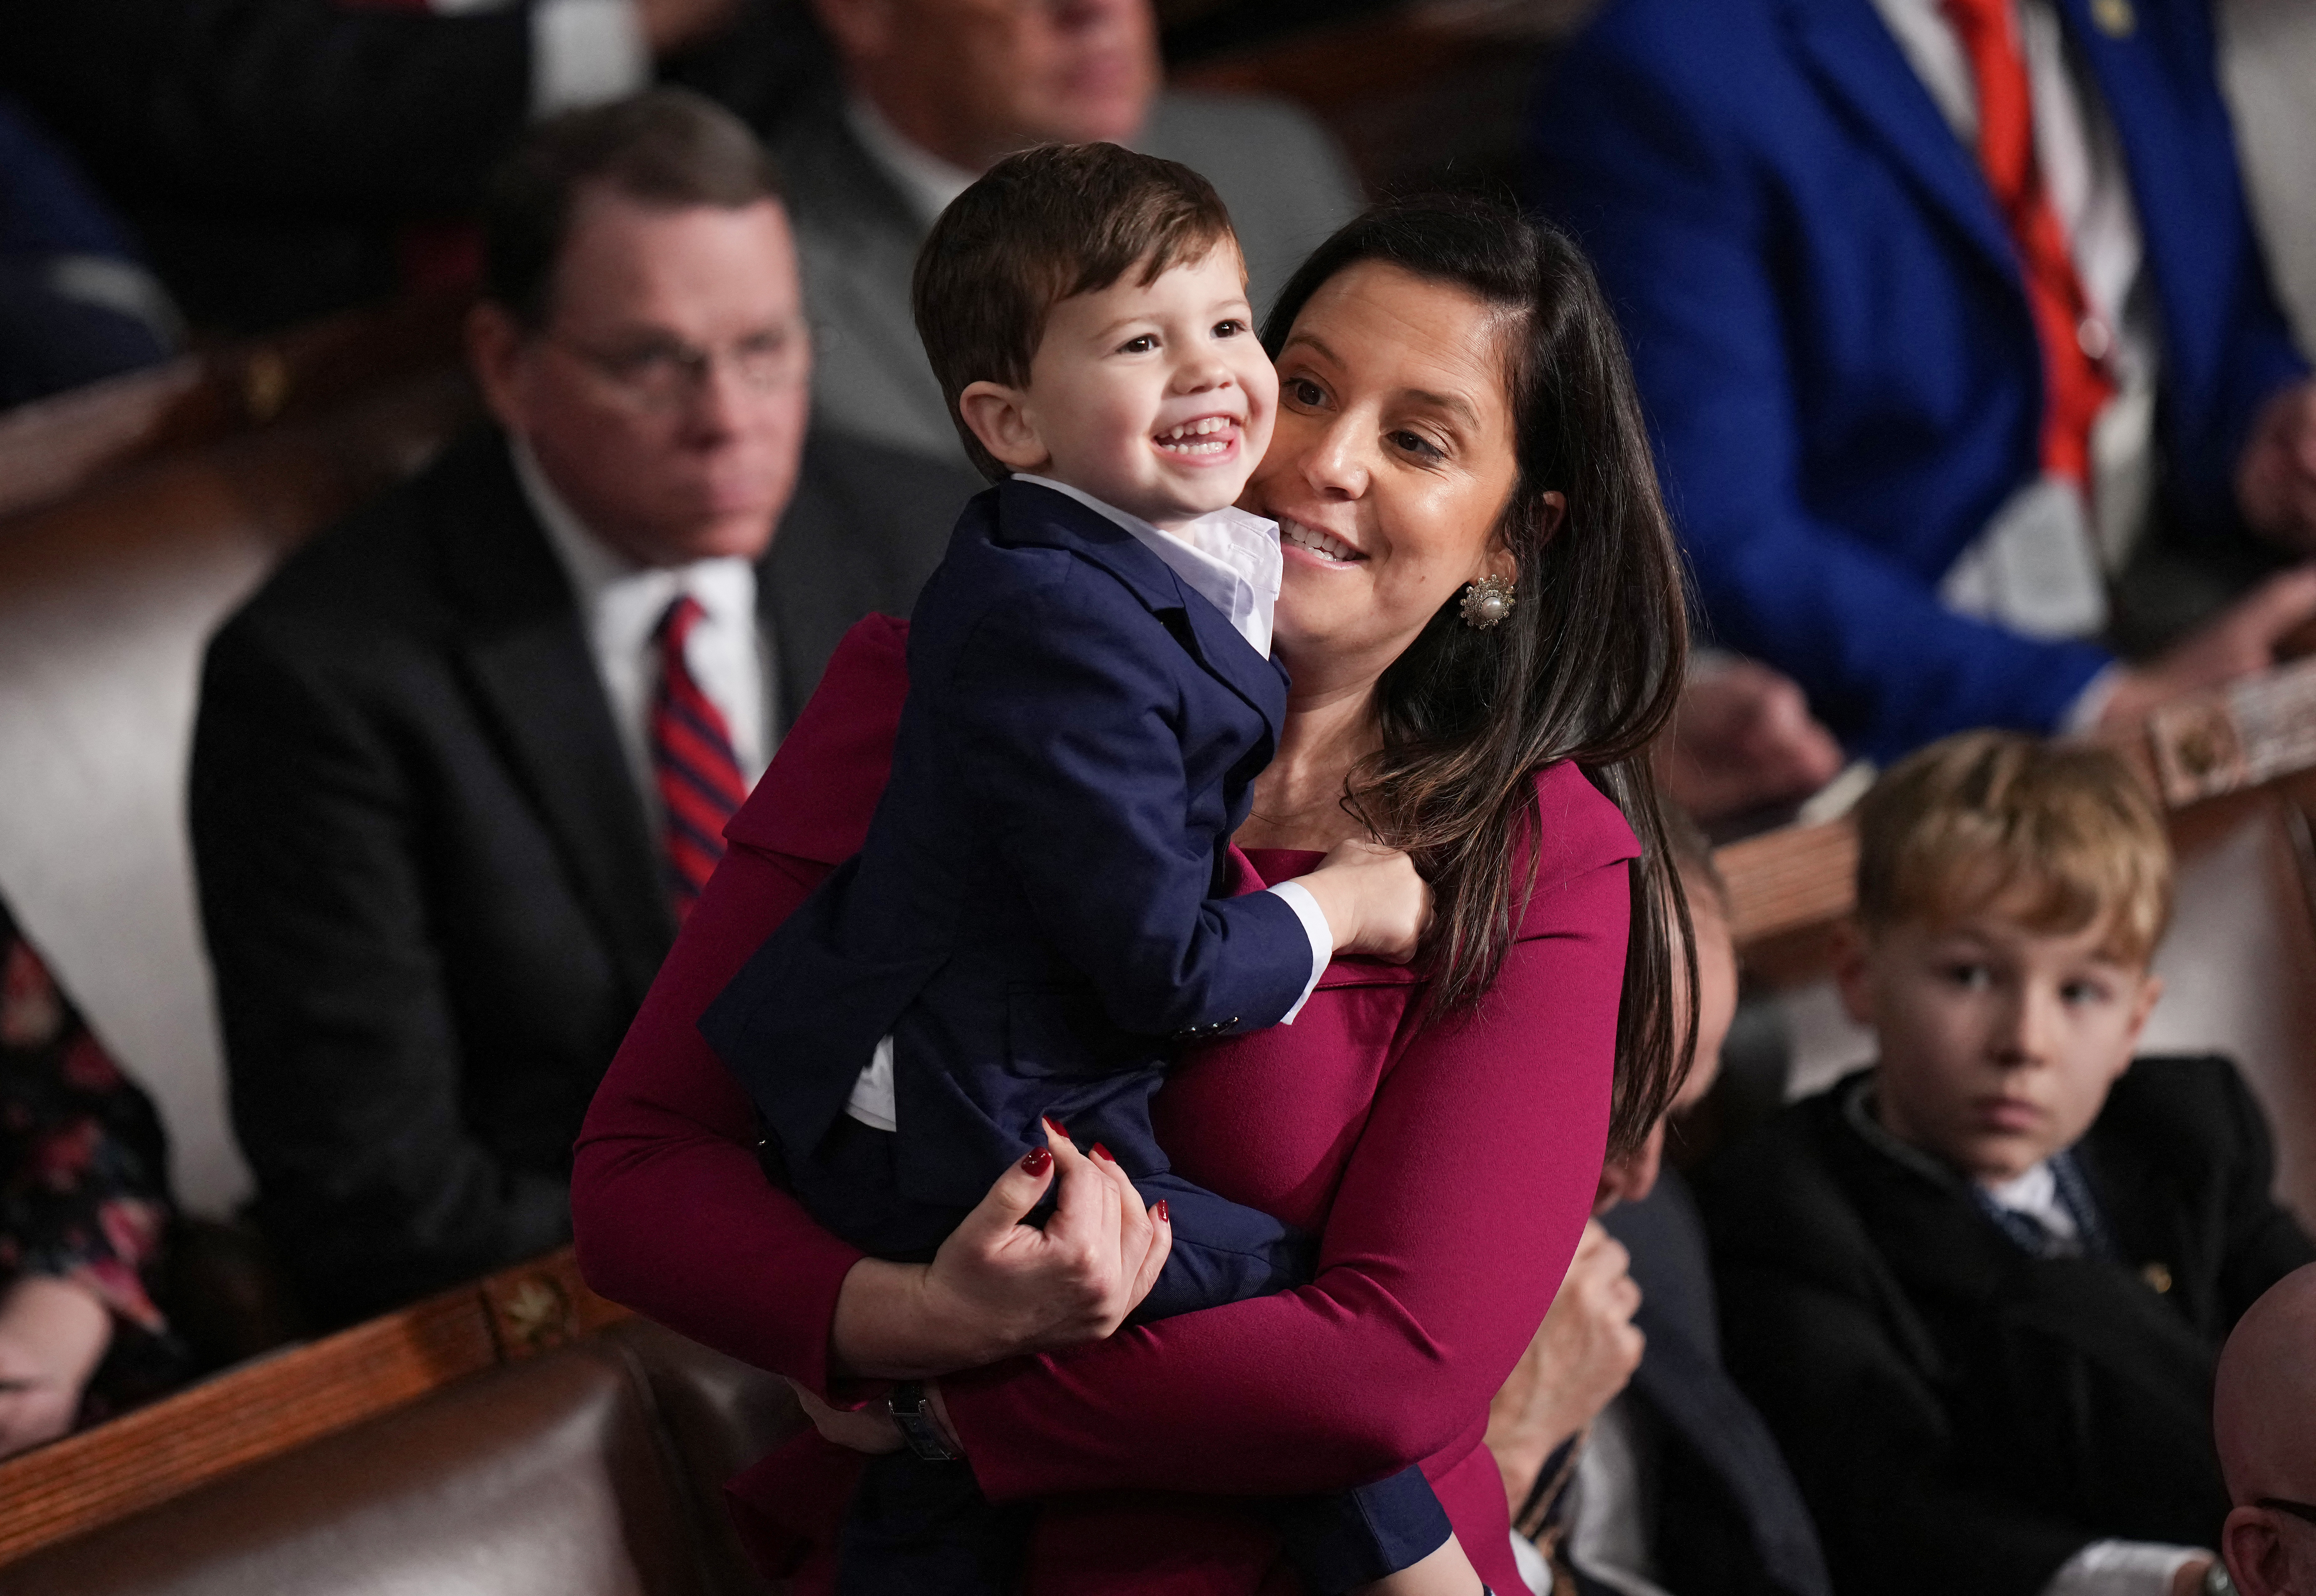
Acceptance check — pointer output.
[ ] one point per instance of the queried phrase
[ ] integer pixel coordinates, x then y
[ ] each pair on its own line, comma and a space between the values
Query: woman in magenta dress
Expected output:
1450, 380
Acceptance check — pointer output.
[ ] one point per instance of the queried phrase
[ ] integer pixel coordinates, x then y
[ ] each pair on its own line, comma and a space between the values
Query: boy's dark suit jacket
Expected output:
430, 896
1963, 1417
1032, 915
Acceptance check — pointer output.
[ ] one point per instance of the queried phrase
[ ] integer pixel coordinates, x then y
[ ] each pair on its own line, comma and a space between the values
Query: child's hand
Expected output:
1022, 1289
1374, 901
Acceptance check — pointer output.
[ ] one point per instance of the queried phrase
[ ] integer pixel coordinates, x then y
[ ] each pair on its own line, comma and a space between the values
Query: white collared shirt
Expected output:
621, 604
2036, 1194
1231, 559
2040, 567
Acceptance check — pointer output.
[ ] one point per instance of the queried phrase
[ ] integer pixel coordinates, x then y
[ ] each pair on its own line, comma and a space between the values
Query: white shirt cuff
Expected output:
2121, 1568
1314, 926
584, 52
2090, 703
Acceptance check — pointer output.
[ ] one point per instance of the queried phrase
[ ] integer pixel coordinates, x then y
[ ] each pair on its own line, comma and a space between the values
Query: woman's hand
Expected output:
1582, 1355
53, 1334
1374, 901
998, 1286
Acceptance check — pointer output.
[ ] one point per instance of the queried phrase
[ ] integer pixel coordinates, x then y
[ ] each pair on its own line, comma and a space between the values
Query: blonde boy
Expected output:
1978, 1288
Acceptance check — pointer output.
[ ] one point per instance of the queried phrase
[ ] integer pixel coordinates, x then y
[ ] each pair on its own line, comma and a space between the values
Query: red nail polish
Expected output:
1036, 1161
1058, 1128
1102, 1152
1158, 1212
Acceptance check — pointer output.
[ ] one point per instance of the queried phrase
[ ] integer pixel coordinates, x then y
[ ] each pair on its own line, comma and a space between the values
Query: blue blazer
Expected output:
1033, 915
1832, 336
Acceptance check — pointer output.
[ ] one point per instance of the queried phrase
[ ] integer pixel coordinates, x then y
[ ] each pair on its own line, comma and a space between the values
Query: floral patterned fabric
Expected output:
84, 1177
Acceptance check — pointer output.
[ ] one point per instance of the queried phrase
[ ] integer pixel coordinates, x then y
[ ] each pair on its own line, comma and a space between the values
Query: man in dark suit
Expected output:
1945, 309
462, 763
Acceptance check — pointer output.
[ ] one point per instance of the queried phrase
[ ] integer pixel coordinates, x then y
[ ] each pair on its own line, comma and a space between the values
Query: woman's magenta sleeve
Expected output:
1455, 1219
672, 1214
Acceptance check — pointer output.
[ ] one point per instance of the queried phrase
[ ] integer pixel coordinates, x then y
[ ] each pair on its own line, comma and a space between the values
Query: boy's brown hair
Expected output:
1038, 227
1982, 814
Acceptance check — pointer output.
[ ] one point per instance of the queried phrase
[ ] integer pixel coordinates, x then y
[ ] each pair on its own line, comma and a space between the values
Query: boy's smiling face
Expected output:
1998, 1042
1156, 399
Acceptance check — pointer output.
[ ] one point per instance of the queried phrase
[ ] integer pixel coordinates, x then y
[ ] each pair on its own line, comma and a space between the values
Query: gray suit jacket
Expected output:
1286, 185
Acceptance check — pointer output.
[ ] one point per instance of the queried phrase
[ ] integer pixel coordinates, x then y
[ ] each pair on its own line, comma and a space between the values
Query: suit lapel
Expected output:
1029, 514
1946, 1251
1850, 50
524, 651
1701, 1406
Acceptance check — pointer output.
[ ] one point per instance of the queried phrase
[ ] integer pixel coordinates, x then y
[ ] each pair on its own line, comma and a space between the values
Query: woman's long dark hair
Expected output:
1588, 665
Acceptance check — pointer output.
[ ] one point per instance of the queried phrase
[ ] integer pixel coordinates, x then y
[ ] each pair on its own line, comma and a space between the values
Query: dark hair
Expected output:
1587, 666
1692, 856
667, 147
1039, 227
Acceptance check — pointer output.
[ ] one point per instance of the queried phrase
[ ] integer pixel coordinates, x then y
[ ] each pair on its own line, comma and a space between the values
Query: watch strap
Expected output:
915, 1414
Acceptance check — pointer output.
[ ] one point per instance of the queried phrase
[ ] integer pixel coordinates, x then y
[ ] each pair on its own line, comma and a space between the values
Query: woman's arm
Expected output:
1453, 1225
674, 1217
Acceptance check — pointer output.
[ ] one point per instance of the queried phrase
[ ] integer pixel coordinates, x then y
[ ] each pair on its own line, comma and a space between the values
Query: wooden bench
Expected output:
286, 1399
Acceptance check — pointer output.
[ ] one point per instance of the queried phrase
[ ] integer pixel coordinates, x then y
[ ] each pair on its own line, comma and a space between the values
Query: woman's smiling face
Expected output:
1390, 467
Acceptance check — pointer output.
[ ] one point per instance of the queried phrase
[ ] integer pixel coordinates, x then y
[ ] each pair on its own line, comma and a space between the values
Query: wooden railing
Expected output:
1787, 886
273, 1403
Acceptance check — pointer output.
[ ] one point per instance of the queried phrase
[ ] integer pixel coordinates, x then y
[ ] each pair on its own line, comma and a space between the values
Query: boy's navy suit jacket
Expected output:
1033, 917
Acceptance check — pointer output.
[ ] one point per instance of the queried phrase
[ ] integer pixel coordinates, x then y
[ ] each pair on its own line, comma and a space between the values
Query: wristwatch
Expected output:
2216, 1581
914, 1415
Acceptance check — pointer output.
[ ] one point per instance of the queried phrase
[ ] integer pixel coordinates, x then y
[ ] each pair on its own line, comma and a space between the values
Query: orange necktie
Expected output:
2075, 342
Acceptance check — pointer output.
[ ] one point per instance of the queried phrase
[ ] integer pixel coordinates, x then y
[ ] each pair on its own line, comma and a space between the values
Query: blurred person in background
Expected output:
1945, 310
2264, 1420
283, 158
75, 304
932, 93
1632, 1464
462, 764
85, 1205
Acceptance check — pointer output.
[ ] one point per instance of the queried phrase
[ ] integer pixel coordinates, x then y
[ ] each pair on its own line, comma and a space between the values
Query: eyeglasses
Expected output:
2298, 1509
658, 375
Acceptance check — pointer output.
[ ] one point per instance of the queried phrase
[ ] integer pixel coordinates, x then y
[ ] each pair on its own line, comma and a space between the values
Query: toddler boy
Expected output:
1978, 1289
1040, 914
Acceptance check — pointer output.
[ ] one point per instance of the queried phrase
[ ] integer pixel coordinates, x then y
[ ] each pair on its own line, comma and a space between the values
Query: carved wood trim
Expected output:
285, 1399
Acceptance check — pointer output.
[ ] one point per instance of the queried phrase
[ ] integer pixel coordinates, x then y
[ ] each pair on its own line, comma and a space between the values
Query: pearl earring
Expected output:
1486, 603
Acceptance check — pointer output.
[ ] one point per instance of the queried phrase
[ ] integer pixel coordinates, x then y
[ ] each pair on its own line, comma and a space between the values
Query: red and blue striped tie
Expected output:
699, 781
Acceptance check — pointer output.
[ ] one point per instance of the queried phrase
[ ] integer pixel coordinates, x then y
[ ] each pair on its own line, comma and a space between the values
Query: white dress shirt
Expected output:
620, 605
1231, 559
2041, 565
